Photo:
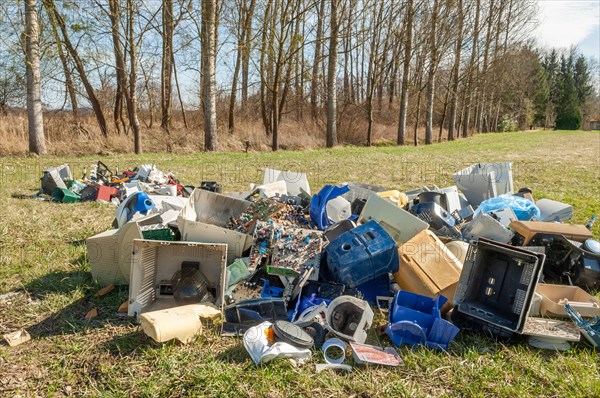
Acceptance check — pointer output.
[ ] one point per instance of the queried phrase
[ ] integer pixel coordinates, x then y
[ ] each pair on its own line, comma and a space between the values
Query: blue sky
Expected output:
563, 23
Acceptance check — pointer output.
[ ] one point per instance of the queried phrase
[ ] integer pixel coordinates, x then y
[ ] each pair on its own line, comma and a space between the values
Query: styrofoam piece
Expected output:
155, 261
485, 226
181, 323
396, 197
271, 189
327, 366
554, 298
398, 223
296, 183
204, 219
349, 318
482, 181
552, 210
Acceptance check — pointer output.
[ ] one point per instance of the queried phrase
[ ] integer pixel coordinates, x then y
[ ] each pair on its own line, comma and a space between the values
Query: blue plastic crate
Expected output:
416, 320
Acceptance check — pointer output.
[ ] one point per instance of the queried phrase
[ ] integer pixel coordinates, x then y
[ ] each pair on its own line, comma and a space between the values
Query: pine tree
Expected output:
541, 100
568, 116
581, 75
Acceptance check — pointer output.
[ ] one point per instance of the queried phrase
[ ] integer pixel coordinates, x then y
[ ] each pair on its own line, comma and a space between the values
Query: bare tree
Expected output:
166, 73
209, 84
57, 18
332, 76
433, 62
37, 142
471, 72
408, 31
317, 60
456, 71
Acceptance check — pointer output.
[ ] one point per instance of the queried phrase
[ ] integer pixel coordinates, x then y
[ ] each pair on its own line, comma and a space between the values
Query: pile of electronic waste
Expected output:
101, 184
290, 271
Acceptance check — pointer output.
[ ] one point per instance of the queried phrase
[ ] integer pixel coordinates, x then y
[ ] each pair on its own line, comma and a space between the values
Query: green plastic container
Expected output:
64, 195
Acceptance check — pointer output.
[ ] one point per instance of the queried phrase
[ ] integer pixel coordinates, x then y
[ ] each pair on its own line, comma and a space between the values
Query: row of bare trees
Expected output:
451, 66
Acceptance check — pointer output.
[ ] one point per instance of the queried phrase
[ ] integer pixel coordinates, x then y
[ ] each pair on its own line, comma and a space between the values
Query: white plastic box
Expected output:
205, 217
155, 261
482, 181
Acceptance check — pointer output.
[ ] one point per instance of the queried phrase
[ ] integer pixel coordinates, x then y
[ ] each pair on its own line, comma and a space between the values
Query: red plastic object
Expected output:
106, 192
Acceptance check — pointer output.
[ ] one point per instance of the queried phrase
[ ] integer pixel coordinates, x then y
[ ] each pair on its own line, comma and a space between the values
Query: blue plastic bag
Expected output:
523, 208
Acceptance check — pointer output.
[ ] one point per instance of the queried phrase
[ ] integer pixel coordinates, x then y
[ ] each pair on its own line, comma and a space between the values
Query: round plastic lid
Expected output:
592, 246
292, 334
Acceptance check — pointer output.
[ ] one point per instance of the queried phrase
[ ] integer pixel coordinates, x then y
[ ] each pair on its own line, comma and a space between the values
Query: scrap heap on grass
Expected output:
292, 272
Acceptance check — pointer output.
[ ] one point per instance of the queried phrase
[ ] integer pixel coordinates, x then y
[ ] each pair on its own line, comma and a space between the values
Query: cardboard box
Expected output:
205, 217
428, 267
554, 298
155, 262
529, 229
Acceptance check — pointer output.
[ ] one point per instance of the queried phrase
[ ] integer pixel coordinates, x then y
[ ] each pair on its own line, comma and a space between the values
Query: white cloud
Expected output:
566, 23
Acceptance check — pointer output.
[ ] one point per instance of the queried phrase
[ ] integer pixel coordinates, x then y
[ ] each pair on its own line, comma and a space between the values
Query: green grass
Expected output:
42, 257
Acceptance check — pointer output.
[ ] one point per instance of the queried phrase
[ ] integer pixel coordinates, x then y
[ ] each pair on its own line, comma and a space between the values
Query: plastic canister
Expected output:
338, 209
360, 255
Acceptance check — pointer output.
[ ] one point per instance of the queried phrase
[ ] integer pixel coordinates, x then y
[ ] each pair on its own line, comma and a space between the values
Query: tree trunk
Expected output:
63, 60
236, 72
166, 87
51, 8
246, 53
482, 94
185, 123
469, 95
132, 97
35, 117
332, 77
431, 75
209, 83
314, 84
405, 73
455, 72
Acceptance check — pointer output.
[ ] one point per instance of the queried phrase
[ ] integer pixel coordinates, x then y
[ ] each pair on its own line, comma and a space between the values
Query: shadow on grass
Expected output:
236, 354
56, 287
126, 345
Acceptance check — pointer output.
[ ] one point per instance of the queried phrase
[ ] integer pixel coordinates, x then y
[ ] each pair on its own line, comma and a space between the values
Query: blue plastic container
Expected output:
318, 205
143, 203
379, 286
416, 320
360, 255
